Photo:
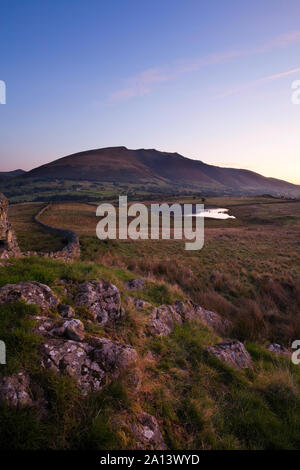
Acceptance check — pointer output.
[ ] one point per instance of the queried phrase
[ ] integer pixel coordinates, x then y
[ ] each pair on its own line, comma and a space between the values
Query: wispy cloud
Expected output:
146, 81
260, 81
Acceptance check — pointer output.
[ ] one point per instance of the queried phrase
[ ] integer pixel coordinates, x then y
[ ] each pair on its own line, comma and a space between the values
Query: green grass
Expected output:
248, 273
16, 331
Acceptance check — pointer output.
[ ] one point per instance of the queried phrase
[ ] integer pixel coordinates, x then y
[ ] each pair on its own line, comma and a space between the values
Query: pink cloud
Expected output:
260, 81
146, 81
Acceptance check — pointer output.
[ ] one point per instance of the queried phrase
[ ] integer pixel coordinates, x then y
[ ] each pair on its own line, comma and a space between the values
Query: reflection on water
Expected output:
214, 214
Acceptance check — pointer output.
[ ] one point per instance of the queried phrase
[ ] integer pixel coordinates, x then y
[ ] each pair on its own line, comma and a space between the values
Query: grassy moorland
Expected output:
31, 237
199, 402
248, 271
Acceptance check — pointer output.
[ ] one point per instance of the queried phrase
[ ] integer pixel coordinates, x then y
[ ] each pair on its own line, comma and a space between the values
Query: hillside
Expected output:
122, 165
107, 353
5, 175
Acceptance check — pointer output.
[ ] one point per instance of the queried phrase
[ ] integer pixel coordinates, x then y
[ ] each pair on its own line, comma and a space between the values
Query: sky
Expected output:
211, 80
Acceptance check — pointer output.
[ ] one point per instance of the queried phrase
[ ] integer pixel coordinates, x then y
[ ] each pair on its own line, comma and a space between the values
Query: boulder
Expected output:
163, 320
73, 329
113, 357
72, 358
233, 353
278, 349
140, 304
190, 311
15, 391
30, 292
102, 299
135, 284
147, 433
66, 311
91, 365
43, 325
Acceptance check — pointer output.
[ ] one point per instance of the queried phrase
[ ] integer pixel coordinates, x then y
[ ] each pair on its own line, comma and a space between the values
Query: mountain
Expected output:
4, 175
122, 165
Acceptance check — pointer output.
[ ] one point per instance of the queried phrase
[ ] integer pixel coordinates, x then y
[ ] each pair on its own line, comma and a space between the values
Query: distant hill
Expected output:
122, 165
4, 175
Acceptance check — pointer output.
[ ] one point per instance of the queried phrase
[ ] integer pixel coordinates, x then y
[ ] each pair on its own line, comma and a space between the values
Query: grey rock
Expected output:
102, 299
73, 358
141, 304
147, 433
278, 349
43, 325
135, 284
113, 357
8, 242
233, 353
15, 390
66, 311
193, 312
91, 365
73, 329
31, 292
163, 320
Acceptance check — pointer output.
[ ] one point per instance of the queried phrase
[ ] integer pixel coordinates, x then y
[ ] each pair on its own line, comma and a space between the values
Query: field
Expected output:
248, 270
31, 237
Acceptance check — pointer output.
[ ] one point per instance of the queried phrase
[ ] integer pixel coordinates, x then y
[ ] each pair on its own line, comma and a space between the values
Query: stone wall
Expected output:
70, 253
8, 242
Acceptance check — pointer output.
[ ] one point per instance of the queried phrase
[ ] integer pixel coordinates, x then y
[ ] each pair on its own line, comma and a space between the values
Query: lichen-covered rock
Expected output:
15, 391
233, 353
102, 299
163, 320
113, 357
73, 329
8, 241
140, 304
278, 349
135, 284
193, 312
91, 365
43, 325
147, 433
66, 311
72, 358
30, 292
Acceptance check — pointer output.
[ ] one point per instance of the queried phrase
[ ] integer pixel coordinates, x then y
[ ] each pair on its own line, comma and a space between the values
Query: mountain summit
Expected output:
122, 165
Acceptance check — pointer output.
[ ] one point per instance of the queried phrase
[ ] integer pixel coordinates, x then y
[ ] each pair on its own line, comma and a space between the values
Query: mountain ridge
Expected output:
123, 165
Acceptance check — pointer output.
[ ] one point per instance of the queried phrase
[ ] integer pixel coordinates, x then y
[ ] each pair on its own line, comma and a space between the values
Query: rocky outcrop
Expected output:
113, 357
233, 353
164, 318
278, 349
102, 299
72, 358
30, 292
147, 433
8, 242
66, 311
92, 365
140, 304
15, 390
72, 329
135, 284
193, 312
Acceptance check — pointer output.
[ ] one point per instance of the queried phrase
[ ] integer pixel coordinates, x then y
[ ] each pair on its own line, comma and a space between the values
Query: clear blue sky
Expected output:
208, 79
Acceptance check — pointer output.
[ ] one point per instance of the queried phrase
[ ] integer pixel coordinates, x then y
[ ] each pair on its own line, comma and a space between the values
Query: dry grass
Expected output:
248, 270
